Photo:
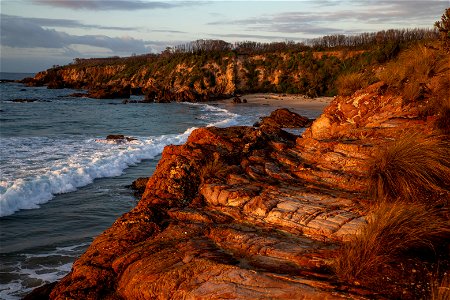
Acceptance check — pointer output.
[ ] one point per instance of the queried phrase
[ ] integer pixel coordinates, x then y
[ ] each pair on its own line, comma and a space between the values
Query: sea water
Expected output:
62, 183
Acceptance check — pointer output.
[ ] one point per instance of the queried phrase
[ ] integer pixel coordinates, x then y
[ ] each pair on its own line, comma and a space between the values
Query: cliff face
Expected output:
201, 77
248, 213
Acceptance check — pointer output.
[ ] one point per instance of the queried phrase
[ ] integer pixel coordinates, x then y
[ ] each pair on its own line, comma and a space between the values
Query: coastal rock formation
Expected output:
197, 77
247, 213
284, 118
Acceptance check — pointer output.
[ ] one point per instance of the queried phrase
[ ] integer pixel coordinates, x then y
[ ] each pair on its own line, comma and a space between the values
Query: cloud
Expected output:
323, 17
253, 36
113, 4
168, 31
27, 33
64, 23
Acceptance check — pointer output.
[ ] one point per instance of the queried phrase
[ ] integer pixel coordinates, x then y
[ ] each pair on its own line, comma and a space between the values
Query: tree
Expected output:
444, 28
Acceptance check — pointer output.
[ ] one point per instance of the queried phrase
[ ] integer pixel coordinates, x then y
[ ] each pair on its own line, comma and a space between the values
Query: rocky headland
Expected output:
356, 207
252, 212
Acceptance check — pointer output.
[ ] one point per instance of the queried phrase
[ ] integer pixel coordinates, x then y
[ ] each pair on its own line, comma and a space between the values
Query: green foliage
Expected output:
443, 27
303, 68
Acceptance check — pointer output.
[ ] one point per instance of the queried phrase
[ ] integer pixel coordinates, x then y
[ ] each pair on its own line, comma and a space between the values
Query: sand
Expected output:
293, 102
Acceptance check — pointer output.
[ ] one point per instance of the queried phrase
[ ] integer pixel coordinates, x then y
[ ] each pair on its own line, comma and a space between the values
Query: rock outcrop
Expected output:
247, 213
284, 118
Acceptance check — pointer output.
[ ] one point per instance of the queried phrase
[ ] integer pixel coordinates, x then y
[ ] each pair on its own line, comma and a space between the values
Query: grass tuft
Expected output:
411, 72
393, 229
347, 84
412, 167
440, 289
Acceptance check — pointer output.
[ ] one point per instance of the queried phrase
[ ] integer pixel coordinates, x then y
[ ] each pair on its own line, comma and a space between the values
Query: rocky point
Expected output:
247, 212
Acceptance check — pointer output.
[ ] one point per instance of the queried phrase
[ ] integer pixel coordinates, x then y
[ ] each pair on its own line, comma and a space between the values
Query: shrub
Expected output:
347, 84
412, 167
393, 229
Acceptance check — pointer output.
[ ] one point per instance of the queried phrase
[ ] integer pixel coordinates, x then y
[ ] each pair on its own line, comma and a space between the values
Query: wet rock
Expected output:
78, 95
139, 186
284, 118
120, 138
110, 92
237, 100
56, 85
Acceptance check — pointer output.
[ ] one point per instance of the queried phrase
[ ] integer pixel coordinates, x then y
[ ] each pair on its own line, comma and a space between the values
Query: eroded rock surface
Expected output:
246, 213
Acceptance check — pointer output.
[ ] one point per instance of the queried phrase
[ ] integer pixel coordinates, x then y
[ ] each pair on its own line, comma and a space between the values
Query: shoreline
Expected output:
289, 101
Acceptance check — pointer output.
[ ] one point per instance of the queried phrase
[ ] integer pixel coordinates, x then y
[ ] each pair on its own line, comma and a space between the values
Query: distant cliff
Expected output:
205, 70
199, 77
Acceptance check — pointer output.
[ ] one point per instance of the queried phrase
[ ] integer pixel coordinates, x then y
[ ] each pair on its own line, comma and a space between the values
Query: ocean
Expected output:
62, 183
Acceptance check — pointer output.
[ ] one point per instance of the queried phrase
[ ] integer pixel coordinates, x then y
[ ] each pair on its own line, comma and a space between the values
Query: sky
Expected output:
37, 34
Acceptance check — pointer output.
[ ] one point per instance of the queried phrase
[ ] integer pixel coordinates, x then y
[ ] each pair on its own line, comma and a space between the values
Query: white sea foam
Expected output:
47, 173
213, 113
42, 167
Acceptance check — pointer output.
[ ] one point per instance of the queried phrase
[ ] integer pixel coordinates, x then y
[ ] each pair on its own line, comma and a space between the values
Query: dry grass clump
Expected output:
412, 167
214, 169
411, 72
440, 289
393, 229
347, 84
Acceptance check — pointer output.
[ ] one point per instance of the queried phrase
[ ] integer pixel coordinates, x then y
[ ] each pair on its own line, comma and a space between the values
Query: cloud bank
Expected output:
113, 4
29, 33
326, 17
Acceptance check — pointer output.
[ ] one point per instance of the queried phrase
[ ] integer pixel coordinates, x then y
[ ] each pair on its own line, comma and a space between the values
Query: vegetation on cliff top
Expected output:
214, 68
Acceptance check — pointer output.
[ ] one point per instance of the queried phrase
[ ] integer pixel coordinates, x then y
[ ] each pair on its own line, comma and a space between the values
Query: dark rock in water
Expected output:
120, 138
78, 95
136, 91
30, 81
284, 118
6, 80
237, 100
23, 90
56, 84
110, 92
139, 186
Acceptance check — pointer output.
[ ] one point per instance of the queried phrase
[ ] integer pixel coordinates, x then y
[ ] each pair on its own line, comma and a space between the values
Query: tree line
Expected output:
363, 41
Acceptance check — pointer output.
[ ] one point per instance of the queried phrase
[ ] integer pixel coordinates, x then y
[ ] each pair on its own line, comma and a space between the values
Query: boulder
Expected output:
284, 118
120, 138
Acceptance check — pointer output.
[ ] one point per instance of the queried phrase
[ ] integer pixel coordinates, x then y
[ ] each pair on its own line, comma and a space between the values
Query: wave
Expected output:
41, 172
92, 160
214, 112
34, 270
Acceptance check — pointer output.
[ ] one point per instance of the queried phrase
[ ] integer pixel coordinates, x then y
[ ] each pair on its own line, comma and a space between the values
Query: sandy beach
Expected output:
293, 101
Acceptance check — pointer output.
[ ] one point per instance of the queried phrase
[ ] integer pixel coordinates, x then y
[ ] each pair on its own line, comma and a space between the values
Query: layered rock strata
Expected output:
246, 213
